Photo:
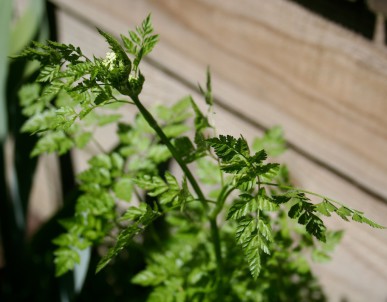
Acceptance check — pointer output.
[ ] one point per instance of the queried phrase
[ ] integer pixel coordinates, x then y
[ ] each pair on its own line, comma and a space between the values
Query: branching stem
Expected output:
225, 192
155, 126
213, 224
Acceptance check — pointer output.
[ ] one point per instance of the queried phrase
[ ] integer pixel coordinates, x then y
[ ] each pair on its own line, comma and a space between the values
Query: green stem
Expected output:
257, 213
224, 193
213, 225
155, 126
302, 191
218, 255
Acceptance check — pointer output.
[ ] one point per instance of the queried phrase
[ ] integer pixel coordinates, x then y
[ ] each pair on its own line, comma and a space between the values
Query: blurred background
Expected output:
317, 68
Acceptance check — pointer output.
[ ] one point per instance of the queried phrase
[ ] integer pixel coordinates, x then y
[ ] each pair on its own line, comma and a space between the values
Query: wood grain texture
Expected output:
274, 63
359, 268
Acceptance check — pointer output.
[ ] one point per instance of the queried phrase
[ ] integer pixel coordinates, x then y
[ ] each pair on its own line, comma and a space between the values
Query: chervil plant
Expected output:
231, 228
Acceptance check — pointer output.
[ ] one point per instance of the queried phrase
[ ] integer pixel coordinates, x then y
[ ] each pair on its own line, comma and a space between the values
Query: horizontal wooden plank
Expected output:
274, 63
359, 268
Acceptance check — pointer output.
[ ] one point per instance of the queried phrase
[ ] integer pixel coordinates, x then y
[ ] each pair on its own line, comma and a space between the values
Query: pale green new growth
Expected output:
233, 227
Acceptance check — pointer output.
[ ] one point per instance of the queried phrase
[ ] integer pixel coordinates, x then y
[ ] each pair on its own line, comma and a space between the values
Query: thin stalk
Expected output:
302, 191
218, 254
213, 225
257, 213
225, 192
155, 126
210, 113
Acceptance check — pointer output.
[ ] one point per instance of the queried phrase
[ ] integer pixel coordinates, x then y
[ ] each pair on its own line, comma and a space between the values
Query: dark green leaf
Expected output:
280, 199
316, 228
228, 147
295, 210
304, 218
185, 148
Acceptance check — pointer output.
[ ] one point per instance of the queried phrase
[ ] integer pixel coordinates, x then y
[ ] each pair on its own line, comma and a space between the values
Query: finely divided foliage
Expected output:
236, 242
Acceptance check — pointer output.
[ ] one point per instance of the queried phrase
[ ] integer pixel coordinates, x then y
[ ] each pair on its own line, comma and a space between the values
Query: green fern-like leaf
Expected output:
359, 217
42, 53
68, 51
228, 148
76, 71
53, 142
48, 73
141, 41
244, 206
117, 48
154, 185
253, 232
123, 189
65, 260
168, 192
124, 238
326, 208
51, 54
254, 238
187, 150
29, 96
304, 211
265, 203
150, 277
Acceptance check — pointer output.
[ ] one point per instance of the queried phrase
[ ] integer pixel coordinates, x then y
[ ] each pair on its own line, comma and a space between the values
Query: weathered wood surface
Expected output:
274, 63
359, 268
